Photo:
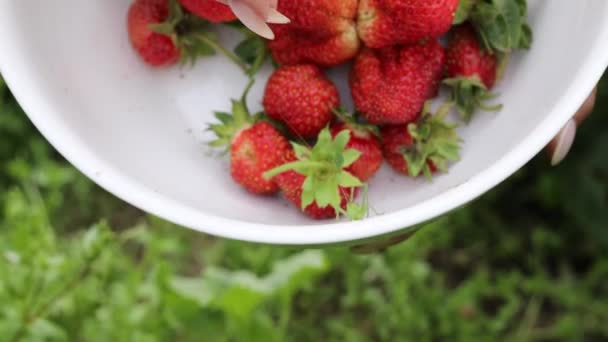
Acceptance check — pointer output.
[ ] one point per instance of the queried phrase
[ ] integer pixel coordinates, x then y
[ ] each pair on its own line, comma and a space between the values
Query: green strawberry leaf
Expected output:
435, 142
463, 12
301, 151
253, 51
347, 180
350, 156
502, 25
231, 123
354, 122
323, 166
308, 196
327, 193
469, 94
341, 140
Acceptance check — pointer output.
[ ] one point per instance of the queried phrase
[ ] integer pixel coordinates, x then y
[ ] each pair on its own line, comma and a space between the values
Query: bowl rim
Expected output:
22, 81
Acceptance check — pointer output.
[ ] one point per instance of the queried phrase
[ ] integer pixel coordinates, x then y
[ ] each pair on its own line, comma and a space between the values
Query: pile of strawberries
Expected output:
304, 145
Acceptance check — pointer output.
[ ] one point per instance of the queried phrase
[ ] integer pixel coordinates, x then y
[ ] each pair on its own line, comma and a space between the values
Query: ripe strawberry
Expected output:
255, 147
301, 97
210, 10
291, 184
383, 23
363, 138
163, 34
390, 86
501, 25
322, 32
316, 180
422, 147
472, 72
155, 48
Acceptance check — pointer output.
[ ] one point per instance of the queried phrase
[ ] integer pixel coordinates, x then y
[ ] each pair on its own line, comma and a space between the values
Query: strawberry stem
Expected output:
218, 47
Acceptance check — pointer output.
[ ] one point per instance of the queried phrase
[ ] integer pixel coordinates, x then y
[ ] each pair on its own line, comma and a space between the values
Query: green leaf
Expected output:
502, 25
350, 156
347, 180
327, 193
341, 140
231, 123
252, 51
239, 293
302, 152
464, 9
44, 330
469, 94
308, 192
435, 140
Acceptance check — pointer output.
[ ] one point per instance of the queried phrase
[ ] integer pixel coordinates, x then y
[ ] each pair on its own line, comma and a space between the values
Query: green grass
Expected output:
527, 262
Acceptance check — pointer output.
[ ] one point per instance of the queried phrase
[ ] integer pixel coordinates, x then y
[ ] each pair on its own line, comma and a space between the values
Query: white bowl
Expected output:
138, 132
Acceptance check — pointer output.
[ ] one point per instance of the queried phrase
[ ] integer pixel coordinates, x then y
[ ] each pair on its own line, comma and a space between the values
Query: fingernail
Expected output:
275, 17
250, 18
565, 139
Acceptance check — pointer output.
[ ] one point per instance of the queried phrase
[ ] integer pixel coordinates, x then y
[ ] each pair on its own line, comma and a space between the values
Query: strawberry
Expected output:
316, 179
423, 147
210, 10
383, 23
502, 25
155, 48
301, 97
291, 183
390, 86
363, 138
472, 72
322, 32
163, 34
255, 147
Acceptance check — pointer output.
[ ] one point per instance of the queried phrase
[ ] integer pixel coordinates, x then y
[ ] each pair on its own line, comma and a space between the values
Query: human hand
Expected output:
560, 146
257, 14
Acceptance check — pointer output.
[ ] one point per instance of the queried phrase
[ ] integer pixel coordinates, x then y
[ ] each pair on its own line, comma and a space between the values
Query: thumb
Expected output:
561, 145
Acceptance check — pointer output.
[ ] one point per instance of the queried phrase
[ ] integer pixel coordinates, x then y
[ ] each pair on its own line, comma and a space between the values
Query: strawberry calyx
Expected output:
354, 122
192, 37
502, 25
464, 11
435, 142
238, 119
324, 167
469, 94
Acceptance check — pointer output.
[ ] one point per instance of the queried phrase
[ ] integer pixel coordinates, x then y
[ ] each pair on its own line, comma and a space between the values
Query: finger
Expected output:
276, 17
586, 109
561, 145
251, 18
261, 7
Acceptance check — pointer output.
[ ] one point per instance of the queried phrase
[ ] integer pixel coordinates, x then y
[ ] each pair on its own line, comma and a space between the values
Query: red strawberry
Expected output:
291, 184
422, 147
301, 97
316, 179
472, 71
163, 34
155, 48
390, 86
255, 147
322, 32
501, 25
210, 10
365, 139
383, 23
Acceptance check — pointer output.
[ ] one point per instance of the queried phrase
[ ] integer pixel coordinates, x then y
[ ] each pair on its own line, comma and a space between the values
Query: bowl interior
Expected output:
141, 132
